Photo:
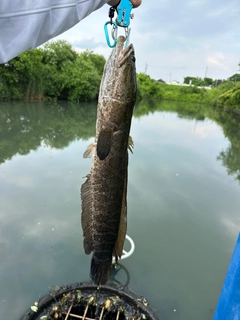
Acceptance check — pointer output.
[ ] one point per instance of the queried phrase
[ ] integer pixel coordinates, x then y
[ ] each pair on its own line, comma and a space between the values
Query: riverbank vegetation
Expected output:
226, 95
57, 72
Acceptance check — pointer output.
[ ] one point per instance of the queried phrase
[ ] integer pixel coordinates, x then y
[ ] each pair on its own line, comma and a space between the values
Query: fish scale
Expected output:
104, 203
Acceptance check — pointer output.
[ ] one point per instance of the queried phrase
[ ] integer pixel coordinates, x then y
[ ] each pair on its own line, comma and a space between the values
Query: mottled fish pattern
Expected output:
103, 194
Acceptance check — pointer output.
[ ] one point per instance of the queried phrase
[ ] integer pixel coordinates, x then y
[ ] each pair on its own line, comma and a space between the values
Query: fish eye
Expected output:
133, 58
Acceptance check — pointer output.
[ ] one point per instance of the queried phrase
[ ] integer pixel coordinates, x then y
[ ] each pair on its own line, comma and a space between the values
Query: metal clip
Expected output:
123, 20
124, 13
114, 33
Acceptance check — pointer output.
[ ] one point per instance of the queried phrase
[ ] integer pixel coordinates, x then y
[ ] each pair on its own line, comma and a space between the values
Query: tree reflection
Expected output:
230, 124
25, 126
231, 160
230, 157
184, 110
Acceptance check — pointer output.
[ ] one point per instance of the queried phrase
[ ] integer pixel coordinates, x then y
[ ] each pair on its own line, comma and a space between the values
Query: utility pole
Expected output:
146, 67
206, 72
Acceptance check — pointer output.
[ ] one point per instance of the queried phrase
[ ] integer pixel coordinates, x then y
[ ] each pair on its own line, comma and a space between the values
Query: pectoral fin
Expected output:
130, 144
90, 152
104, 143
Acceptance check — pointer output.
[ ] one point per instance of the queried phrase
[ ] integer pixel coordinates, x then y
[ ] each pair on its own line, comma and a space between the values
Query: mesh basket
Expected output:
87, 301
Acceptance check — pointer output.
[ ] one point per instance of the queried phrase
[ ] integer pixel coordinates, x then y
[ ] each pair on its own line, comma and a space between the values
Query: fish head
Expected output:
121, 72
124, 59
117, 94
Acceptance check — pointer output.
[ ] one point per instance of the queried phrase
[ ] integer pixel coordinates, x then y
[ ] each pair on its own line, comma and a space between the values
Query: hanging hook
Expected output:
114, 33
123, 9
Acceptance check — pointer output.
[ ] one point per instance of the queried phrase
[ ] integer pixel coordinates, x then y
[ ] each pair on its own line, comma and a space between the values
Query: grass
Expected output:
226, 95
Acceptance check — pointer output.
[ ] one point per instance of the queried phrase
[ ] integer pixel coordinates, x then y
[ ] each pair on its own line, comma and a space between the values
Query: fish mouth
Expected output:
124, 54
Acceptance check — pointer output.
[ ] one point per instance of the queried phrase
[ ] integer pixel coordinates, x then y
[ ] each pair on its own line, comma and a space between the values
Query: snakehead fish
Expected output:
104, 205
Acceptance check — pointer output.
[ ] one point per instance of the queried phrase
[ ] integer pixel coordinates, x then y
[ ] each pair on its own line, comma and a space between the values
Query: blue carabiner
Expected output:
107, 35
124, 13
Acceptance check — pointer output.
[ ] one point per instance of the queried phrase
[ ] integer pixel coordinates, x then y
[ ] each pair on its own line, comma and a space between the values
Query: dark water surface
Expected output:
183, 203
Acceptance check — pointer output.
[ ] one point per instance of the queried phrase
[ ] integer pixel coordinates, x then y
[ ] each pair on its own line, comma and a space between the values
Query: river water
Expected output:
183, 203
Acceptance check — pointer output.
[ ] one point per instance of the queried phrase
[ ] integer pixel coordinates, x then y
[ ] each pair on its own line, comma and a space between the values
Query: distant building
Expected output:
175, 82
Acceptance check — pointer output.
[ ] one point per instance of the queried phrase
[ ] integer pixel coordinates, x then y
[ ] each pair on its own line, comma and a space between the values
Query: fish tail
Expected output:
100, 270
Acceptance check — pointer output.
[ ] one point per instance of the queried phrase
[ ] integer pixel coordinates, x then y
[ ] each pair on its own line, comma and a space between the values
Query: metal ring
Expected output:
130, 252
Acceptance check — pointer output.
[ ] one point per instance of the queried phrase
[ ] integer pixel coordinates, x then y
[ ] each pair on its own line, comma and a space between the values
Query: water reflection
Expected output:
230, 159
182, 205
124, 279
26, 126
30, 125
230, 124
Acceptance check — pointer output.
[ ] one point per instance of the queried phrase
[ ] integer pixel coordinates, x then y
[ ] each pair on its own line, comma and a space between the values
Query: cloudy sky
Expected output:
173, 38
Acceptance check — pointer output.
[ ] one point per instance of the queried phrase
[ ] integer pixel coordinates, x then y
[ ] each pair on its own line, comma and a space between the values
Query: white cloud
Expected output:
172, 37
195, 3
232, 224
231, 8
220, 60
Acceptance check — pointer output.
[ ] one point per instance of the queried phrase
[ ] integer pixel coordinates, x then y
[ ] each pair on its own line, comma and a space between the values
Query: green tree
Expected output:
58, 54
8, 82
188, 80
208, 81
29, 68
235, 77
22, 77
83, 81
59, 58
196, 81
70, 75
147, 87
217, 82
55, 71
